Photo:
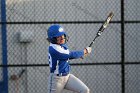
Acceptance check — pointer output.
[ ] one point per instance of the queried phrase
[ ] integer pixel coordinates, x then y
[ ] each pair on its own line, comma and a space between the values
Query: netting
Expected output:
27, 22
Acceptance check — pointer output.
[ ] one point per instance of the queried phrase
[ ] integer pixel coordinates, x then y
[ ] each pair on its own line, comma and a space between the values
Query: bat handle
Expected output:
91, 44
93, 40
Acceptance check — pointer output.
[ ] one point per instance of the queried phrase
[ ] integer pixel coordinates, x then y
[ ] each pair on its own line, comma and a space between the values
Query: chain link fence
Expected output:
112, 67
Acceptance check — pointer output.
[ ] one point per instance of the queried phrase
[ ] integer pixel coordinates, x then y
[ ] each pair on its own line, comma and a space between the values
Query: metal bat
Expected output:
102, 28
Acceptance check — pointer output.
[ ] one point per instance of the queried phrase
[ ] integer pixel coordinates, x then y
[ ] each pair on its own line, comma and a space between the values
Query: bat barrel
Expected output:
102, 28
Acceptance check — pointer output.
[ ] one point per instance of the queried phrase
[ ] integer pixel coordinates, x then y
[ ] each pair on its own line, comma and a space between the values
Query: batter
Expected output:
59, 56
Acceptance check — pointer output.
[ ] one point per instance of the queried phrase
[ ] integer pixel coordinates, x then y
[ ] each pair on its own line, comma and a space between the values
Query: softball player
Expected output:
59, 56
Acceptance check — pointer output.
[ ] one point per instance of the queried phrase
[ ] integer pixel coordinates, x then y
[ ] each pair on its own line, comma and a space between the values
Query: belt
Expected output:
62, 74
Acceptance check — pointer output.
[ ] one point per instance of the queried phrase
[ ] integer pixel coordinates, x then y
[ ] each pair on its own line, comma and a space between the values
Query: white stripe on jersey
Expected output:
57, 68
60, 49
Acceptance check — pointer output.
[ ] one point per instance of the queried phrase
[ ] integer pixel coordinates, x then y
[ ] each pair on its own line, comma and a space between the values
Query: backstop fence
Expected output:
112, 67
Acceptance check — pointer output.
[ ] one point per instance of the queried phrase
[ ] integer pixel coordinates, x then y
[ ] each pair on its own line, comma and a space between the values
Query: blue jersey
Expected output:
59, 56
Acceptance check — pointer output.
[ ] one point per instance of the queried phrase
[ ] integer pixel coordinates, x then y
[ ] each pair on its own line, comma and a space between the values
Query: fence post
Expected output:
122, 47
4, 46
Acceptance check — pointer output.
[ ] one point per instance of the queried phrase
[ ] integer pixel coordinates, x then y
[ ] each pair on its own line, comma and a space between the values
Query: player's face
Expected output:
60, 39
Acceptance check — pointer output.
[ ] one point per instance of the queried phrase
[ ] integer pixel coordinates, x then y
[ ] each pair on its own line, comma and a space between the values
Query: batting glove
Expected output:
89, 49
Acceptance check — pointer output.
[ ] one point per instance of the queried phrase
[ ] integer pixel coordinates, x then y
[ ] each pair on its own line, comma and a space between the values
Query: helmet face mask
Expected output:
55, 31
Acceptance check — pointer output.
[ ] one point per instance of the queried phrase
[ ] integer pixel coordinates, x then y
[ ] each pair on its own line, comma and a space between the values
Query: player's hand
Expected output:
88, 50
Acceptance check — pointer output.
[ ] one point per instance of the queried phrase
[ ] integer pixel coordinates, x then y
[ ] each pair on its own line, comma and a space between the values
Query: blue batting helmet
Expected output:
55, 31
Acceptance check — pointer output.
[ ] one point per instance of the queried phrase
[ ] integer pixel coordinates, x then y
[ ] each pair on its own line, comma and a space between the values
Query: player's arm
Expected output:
66, 54
76, 54
79, 54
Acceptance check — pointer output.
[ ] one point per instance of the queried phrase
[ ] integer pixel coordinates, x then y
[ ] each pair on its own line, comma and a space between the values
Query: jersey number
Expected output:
50, 60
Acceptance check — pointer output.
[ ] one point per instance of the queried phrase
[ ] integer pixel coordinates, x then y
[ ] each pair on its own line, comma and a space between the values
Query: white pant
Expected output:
57, 83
